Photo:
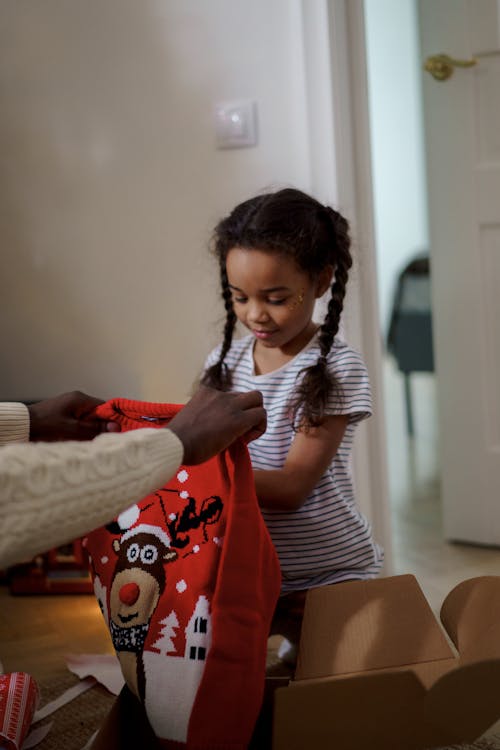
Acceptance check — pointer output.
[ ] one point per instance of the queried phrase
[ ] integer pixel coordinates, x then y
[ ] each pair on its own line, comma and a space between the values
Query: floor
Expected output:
418, 545
36, 632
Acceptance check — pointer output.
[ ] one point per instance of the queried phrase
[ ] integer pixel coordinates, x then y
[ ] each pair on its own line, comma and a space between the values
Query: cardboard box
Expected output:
376, 670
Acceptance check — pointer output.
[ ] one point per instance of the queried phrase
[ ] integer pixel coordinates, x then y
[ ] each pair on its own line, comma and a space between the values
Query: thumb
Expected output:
87, 429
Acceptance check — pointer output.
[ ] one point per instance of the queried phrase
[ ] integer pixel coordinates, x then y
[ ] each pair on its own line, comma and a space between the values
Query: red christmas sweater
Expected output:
188, 580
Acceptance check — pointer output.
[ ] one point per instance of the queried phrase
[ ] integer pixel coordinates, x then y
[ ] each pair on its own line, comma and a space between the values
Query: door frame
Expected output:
347, 79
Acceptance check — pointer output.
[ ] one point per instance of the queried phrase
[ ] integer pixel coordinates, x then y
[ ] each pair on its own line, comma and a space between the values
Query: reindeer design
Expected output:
138, 581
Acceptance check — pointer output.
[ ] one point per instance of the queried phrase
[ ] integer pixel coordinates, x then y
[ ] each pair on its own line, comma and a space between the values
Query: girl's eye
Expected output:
240, 300
277, 301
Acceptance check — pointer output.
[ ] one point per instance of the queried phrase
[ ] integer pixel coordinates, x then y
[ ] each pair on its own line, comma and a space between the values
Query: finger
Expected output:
255, 421
85, 429
249, 399
254, 433
112, 427
84, 404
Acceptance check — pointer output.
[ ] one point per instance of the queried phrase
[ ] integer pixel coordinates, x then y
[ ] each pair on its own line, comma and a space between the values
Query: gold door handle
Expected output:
441, 66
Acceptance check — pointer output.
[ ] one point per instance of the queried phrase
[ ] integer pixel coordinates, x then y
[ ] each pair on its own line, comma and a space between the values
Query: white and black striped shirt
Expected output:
327, 540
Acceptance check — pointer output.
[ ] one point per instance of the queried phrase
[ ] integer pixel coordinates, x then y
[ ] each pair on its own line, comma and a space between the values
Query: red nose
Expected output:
129, 593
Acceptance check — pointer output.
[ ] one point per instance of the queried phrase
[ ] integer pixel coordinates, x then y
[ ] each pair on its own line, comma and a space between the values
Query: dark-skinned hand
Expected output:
212, 420
67, 417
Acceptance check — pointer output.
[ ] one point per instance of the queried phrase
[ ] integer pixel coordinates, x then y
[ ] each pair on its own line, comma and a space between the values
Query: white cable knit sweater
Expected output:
52, 493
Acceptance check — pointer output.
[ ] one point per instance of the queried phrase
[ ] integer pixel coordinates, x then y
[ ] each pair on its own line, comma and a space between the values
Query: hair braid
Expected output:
318, 383
219, 375
330, 326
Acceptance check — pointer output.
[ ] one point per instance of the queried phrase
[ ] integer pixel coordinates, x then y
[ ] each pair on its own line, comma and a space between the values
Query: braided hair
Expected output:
291, 223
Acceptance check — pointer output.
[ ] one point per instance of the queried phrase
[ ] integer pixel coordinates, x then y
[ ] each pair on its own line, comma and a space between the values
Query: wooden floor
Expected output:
36, 632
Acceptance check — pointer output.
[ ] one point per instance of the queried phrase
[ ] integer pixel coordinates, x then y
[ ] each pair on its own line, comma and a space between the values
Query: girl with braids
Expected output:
278, 253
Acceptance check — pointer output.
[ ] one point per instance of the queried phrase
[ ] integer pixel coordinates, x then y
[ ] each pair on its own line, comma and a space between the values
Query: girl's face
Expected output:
273, 298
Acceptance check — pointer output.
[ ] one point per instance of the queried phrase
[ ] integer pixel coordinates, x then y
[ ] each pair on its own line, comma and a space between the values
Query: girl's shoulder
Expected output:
340, 356
239, 347
346, 365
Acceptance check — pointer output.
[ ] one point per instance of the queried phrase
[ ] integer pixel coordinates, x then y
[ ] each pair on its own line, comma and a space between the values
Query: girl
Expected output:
278, 253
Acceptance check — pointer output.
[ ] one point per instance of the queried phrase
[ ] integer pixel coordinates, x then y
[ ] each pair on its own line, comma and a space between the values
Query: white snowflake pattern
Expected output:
181, 585
182, 476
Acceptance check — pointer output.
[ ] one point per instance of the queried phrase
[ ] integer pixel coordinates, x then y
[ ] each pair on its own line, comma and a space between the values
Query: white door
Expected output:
462, 123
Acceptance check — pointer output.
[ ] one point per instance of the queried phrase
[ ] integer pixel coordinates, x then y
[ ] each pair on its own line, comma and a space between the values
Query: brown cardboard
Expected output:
375, 669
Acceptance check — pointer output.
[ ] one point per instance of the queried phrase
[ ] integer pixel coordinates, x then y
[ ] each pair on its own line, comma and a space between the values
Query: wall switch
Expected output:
236, 123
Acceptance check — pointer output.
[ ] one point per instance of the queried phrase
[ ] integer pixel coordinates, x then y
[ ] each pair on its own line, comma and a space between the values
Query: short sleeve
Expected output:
354, 393
212, 358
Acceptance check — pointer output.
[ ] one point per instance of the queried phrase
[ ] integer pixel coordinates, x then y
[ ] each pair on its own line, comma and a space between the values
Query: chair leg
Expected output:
409, 409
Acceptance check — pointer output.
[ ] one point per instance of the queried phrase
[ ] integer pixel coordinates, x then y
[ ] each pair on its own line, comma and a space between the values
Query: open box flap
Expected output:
362, 626
465, 701
380, 712
428, 672
471, 615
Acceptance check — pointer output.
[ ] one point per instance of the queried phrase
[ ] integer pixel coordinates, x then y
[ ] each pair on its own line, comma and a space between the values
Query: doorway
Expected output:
402, 243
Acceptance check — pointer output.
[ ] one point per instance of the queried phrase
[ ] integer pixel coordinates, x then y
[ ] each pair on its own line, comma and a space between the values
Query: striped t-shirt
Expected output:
327, 540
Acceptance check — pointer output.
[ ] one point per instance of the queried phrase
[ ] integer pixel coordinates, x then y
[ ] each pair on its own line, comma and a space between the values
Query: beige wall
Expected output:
110, 184
110, 181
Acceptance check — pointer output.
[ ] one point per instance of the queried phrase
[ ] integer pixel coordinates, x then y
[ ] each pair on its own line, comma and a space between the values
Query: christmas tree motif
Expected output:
179, 678
165, 643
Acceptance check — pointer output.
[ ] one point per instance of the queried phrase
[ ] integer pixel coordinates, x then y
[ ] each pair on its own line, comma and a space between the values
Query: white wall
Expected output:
110, 181
398, 157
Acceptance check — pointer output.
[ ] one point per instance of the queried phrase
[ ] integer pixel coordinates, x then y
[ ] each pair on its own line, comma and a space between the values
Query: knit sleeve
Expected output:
52, 493
14, 423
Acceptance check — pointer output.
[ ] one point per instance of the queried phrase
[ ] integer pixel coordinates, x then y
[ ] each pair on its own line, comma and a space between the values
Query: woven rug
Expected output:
490, 743
74, 723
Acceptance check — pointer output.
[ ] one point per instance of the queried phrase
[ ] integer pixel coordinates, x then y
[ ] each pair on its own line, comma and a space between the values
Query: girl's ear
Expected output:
324, 281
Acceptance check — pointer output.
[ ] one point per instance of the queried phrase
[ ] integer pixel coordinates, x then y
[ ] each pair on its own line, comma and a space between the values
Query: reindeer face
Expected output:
139, 578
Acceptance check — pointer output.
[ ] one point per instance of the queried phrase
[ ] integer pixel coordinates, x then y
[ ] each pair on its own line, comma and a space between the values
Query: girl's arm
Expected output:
308, 458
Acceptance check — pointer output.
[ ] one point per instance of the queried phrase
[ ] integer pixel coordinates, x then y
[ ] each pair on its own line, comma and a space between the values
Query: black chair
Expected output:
410, 331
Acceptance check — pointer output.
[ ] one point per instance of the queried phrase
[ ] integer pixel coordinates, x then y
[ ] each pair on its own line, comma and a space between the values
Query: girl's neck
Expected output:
269, 359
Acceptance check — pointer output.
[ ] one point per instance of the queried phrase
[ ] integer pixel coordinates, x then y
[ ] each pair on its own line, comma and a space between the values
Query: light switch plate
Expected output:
236, 123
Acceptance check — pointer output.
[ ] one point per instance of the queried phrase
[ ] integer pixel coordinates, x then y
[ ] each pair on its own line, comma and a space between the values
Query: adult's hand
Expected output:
212, 420
67, 417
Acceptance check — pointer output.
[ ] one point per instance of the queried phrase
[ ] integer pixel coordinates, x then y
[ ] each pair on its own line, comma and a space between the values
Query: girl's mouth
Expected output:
263, 334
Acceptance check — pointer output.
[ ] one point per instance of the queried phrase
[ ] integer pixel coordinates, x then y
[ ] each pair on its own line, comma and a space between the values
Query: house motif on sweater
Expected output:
198, 633
177, 675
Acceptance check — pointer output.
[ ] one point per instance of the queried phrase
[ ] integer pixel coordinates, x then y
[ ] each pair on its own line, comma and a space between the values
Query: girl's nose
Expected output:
129, 593
258, 312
